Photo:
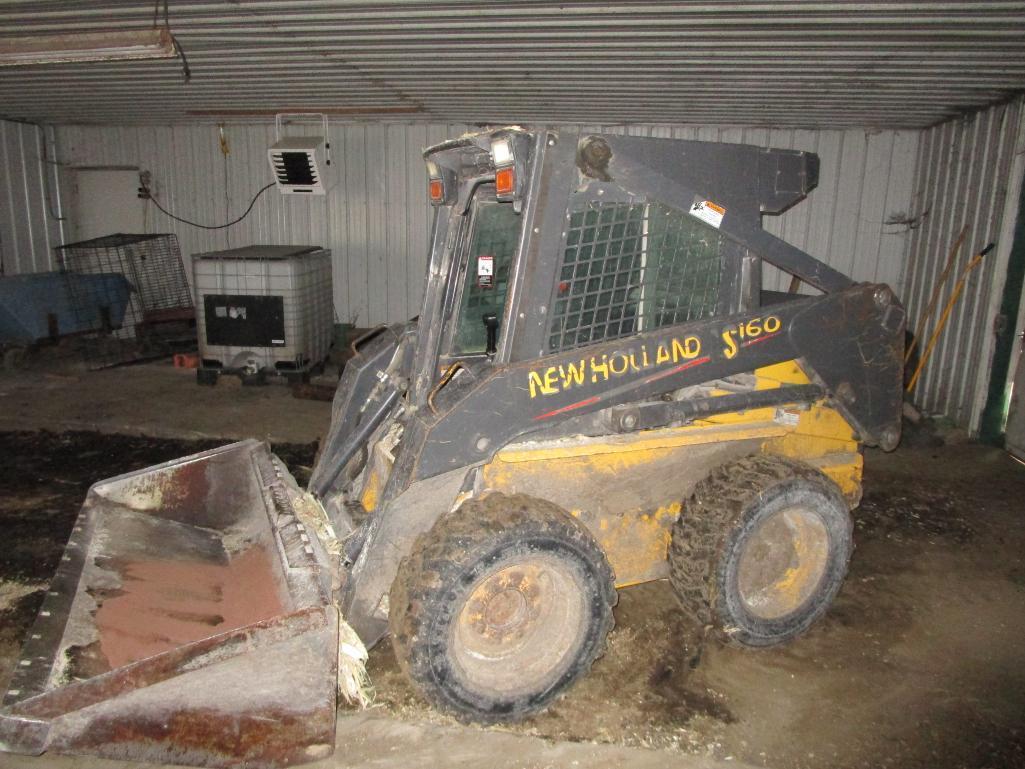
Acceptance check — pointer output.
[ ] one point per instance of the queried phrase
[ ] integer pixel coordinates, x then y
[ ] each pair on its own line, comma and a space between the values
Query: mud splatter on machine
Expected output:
596, 393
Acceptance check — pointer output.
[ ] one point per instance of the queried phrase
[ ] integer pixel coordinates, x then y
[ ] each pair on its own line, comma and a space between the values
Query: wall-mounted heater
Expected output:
295, 161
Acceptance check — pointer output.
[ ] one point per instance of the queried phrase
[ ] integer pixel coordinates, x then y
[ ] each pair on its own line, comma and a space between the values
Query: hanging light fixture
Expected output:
156, 43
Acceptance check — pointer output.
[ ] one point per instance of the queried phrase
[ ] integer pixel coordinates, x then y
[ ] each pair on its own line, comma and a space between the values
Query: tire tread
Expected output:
442, 553
716, 507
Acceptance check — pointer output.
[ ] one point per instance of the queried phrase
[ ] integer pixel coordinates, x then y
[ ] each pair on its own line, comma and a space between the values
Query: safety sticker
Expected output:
787, 417
708, 212
485, 271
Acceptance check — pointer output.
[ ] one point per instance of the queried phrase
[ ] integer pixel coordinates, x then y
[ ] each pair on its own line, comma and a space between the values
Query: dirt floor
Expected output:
155, 399
920, 663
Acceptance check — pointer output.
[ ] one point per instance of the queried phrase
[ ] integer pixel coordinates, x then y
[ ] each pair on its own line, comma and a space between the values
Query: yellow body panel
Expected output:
377, 472
628, 489
371, 490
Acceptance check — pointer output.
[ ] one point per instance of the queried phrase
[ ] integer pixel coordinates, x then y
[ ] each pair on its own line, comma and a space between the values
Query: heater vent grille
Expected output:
295, 168
295, 165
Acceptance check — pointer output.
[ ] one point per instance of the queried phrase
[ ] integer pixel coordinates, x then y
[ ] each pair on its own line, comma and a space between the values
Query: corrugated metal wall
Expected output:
375, 217
29, 204
882, 194
965, 169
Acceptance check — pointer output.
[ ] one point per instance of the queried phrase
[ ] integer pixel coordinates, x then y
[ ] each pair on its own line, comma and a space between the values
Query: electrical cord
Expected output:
46, 176
154, 201
186, 69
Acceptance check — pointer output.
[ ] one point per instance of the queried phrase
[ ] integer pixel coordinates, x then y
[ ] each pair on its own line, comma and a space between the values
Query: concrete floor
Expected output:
159, 400
919, 664
369, 741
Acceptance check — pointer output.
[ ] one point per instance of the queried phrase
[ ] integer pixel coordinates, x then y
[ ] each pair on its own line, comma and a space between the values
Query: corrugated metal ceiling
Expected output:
796, 64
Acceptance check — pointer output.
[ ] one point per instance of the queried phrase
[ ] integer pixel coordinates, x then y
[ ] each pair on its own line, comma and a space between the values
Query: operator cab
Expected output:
624, 263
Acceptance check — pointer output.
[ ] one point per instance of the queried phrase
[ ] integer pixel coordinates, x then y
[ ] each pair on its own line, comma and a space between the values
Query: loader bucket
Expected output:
190, 622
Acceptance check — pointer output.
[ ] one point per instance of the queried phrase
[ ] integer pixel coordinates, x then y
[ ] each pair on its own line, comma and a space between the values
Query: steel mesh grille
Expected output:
631, 267
158, 299
685, 256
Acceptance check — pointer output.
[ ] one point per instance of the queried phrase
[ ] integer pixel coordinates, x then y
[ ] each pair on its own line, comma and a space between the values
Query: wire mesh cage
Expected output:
632, 266
143, 306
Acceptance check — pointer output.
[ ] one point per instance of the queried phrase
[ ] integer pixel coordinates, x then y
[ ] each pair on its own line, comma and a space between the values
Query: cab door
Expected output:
484, 274
1014, 436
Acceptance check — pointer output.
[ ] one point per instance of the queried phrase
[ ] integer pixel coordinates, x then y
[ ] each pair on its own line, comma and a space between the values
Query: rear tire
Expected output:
760, 550
500, 607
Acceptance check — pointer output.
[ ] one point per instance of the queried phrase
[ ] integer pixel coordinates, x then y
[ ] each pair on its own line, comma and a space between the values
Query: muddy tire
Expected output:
760, 550
500, 607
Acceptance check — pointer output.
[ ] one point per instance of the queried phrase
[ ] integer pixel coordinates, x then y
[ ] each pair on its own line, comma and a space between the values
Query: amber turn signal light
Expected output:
437, 190
505, 181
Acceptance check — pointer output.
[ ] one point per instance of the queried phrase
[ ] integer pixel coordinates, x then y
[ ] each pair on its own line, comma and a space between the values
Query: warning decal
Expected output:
485, 271
708, 212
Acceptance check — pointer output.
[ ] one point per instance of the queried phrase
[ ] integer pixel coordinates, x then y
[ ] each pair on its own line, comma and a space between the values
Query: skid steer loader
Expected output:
595, 394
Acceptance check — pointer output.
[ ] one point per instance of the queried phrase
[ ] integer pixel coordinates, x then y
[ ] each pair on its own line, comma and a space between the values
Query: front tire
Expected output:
760, 550
500, 607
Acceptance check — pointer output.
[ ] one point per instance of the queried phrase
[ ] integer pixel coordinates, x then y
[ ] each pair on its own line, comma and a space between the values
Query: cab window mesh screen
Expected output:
631, 267
598, 287
684, 268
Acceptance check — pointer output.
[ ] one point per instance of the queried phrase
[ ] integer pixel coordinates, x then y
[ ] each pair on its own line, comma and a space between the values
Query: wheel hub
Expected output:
782, 562
506, 609
519, 625
507, 604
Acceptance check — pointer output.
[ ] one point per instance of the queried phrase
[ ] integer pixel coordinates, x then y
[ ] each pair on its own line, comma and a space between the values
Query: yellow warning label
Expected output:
708, 212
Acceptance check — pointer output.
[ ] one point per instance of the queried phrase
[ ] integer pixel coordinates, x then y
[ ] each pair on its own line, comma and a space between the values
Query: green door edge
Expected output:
994, 415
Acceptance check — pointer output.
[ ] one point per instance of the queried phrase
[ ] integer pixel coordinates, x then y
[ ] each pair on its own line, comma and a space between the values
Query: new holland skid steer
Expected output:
596, 393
